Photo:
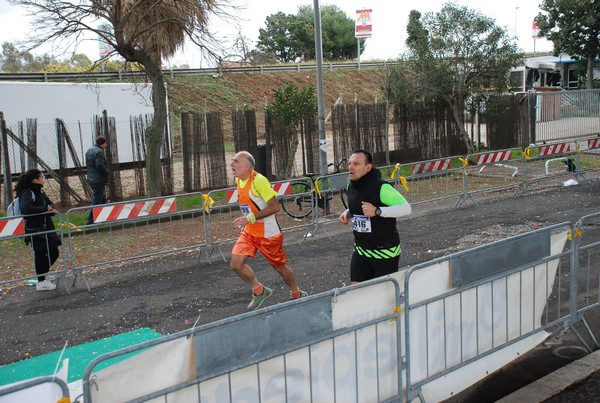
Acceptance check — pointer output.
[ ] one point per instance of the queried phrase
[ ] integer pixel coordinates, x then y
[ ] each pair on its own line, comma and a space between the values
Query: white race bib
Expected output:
245, 208
361, 223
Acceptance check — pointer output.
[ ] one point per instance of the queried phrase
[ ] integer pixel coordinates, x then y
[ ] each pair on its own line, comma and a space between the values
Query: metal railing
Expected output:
204, 221
475, 303
136, 230
429, 181
127, 75
15, 392
225, 209
483, 300
588, 158
588, 263
421, 325
549, 163
340, 355
17, 257
491, 171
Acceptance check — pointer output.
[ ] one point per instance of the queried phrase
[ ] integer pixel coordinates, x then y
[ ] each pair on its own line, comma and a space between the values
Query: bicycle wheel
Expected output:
299, 203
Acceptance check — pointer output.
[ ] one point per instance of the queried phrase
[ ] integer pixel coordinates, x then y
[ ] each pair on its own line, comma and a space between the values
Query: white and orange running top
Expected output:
253, 195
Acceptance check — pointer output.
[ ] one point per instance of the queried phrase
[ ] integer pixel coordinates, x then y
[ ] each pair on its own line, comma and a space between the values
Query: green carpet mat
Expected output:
79, 357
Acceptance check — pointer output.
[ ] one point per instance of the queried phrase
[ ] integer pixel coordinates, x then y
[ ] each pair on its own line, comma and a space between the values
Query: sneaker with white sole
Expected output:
45, 285
302, 295
257, 300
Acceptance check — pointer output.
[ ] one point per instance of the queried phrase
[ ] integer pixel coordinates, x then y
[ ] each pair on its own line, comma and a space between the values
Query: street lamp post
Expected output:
320, 97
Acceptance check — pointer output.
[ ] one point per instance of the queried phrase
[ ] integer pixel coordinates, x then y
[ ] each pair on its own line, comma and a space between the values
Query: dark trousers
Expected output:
364, 268
98, 197
44, 259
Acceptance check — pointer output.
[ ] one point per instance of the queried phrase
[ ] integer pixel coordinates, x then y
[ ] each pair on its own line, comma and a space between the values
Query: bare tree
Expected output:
142, 32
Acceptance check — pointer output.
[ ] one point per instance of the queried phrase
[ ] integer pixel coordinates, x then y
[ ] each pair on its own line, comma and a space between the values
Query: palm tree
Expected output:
142, 32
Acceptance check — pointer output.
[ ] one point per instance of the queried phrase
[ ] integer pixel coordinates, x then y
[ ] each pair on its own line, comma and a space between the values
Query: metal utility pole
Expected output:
320, 97
358, 52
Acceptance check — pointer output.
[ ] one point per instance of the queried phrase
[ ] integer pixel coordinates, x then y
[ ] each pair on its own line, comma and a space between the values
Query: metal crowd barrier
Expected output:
203, 221
24, 391
588, 158
17, 258
304, 201
550, 163
588, 251
484, 299
330, 199
495, 171
442, 317
476, 302
135, 230
428, 181
492, 171
325, 347
219, 219
226, 209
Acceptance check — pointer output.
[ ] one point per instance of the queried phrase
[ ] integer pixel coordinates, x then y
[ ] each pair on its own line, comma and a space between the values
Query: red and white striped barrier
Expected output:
494, 157
281, 189
551, 149
430, 166
133, 210
11, 227
593, 143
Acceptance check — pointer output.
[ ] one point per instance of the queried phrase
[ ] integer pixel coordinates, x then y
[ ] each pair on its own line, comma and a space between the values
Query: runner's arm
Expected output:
272, 208
395, 204
264, 190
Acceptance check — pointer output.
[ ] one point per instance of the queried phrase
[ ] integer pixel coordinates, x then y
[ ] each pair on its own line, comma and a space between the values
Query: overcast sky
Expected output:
389, 18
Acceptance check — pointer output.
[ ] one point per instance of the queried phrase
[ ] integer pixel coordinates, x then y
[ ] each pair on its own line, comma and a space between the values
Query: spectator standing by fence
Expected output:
97, 173
260, 230
373, 205
35, 206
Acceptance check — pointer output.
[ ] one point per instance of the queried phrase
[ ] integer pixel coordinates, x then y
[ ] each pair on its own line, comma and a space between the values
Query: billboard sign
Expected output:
363, 27
104, 47
535, 30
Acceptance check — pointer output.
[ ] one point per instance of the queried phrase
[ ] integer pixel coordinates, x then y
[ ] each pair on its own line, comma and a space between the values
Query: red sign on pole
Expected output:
104, 47
363, 27
535, 30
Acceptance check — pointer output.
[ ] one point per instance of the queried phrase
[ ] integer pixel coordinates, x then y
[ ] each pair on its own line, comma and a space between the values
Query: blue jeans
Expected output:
98, 197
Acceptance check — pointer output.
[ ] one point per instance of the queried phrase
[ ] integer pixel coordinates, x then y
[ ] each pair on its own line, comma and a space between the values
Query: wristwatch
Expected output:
378, 212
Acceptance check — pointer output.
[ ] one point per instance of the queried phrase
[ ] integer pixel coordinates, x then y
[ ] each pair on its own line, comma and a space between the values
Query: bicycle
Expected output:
303, 198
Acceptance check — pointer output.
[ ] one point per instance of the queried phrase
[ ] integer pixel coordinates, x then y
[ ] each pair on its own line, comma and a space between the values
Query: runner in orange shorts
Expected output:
260, 230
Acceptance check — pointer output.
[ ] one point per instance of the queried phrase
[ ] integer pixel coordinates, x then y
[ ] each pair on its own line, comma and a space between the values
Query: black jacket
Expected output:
95, 162
35, 220
384, 233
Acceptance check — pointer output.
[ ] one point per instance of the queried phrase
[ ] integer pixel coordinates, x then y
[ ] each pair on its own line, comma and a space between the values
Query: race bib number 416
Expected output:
361, 223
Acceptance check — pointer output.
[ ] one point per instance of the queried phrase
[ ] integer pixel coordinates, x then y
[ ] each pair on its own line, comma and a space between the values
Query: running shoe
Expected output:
302, 295
45, 285
257, 300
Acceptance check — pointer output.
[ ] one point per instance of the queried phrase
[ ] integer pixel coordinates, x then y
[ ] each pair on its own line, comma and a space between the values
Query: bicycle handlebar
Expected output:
337, 166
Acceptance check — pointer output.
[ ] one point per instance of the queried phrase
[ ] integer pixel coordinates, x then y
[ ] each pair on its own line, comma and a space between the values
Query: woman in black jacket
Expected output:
35, 206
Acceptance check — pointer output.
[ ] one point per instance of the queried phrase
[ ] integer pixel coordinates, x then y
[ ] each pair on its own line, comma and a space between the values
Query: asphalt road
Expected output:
171, 293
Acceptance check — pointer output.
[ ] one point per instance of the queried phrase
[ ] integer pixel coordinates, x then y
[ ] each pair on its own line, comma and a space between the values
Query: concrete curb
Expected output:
556, 382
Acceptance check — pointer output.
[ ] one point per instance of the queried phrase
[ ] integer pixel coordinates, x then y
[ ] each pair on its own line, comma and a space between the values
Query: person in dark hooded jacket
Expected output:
373, 206
97, 173
36, 207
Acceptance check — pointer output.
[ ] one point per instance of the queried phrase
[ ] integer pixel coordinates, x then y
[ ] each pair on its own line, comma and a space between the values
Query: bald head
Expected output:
247, 156
242, 165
